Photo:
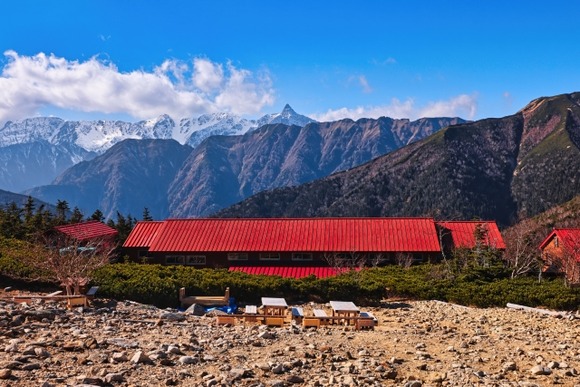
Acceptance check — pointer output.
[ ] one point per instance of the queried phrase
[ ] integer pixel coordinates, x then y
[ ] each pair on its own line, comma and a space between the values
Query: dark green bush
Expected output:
159, 285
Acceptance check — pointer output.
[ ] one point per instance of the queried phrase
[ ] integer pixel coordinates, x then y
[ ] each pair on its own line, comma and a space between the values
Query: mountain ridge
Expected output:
65, 143
498, 168
225, 169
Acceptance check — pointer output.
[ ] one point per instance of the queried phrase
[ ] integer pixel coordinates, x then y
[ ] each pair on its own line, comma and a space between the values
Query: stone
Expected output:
172, 316
553, 365
187, 360
509, 366
5, 373
30, 367
295, 379
16, 321
267, 335
438, 377
196, 310
119, 357
73, 346
41, 353
540, 370
237, 373
140, 357
116, 377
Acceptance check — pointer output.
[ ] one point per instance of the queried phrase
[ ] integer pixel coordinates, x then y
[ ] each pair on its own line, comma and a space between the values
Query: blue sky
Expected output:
327, 59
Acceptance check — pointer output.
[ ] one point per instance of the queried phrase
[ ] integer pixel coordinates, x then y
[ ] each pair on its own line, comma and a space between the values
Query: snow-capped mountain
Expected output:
66, 143
287, 117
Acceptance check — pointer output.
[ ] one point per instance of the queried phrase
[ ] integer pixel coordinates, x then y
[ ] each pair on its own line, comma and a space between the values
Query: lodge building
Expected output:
561, 253
260, 245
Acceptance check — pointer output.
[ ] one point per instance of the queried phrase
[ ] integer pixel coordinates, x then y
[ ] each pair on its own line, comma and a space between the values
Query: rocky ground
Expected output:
415, 344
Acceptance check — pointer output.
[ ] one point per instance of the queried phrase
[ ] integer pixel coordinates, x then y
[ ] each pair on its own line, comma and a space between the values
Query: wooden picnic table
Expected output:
274, 306
344, 309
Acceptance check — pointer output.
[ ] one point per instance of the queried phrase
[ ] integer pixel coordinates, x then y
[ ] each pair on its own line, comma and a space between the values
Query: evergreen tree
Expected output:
61, 210
147, 215
11, 222
123, 225
29, 207
77, 216
98, 215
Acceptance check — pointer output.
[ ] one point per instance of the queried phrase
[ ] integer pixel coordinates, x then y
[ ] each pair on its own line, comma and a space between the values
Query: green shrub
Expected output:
159, 284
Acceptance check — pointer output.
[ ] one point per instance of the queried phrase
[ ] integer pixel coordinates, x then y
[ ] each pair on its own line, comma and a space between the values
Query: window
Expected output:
185, 260
556, 242
175, 259
302, 256
237, 256
269, 256
196, 260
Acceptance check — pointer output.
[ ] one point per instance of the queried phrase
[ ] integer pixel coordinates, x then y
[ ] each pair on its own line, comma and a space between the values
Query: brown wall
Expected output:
553, 255
220, 259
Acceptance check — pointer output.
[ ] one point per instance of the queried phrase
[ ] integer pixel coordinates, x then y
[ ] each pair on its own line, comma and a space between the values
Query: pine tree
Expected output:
61, 211
98, 215
147, 215
77, 216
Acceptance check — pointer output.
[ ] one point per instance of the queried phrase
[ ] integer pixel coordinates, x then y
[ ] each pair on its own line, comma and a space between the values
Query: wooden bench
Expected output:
311, 322
297, 314
225, 320
187, 301
74, 302
91, 292
321, 315
250, 313
365, 315
274, 321
364, 323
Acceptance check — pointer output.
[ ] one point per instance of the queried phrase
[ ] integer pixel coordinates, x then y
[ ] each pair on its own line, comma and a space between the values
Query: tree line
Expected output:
30, 221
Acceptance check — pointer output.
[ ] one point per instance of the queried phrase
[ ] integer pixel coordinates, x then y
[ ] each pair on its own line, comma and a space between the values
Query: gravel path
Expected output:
415, 344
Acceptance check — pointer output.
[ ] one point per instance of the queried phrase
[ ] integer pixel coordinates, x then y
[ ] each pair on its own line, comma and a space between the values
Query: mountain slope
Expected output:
224, 170
57, 144
503, 169
133, 174
6, 198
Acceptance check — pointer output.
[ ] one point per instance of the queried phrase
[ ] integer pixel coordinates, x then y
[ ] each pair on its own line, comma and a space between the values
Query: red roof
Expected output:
288, 271
463, 233
290, 234
87, 230
143, 234
570, 238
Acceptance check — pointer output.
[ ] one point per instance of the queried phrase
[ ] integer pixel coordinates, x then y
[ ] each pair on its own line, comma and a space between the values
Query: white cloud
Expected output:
364, 83
207, 75
180, 89
463, 105
384, 62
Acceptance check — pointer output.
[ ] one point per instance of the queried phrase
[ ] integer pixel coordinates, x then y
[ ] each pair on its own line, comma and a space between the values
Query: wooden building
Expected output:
281, 241
90, 232
298, 247
561, 253
470, 234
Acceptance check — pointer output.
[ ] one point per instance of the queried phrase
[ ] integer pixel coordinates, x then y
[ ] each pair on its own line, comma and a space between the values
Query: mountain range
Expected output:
505, 168
176, 181
35, 151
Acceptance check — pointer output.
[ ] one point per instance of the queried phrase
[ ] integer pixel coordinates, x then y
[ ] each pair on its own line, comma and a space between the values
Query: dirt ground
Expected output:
416, 343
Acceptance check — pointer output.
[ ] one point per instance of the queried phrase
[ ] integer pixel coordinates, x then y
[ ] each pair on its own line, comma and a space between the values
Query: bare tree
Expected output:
376, 260
345, 261
522, 254
443, 234
404, 260
69, 261
570, 261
